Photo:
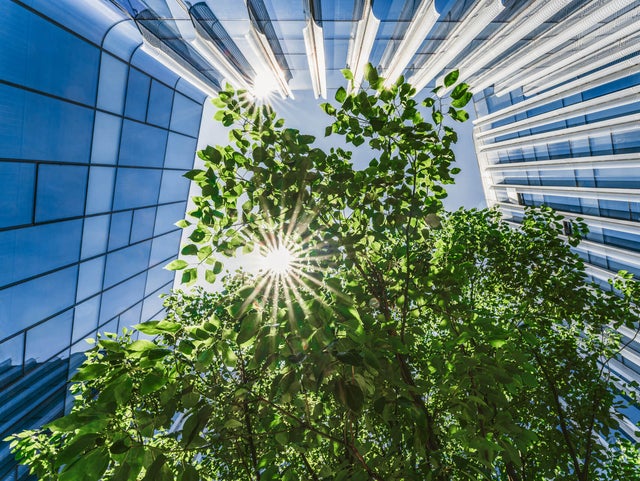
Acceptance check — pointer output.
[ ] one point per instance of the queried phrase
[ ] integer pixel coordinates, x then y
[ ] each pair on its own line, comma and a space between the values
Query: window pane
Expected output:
137, 95
157, 277
136, 188
142, 226
17, 182
112, 86
10, 359
186, 114
90, 278
49, 338
181, 151
42, 56
126, 263
131, 316
61, 190
160, 100
33, 250
100, 189
119, 230
85, 319
122, 297
95, 236
174, 187
106, 139
152, 307
165, 247
167, 216
23, 304
142, 145
38, 127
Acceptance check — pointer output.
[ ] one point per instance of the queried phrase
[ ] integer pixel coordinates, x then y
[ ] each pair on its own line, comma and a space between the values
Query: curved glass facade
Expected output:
94, 138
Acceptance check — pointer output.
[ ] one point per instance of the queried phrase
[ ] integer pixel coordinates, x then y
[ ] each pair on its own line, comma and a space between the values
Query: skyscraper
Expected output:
101, 103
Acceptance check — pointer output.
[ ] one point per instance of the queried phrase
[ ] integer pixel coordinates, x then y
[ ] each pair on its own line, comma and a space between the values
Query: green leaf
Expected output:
176, 265
249, 327
341, 94
217, 267
152, 382
189, 250
462, 101
459, 91
89, 466
189, 473
371, 74
348, 74
210, 276
141, 345
153, 471
233, 424
451, 78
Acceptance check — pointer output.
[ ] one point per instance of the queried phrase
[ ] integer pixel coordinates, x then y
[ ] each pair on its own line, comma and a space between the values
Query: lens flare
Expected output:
278, 261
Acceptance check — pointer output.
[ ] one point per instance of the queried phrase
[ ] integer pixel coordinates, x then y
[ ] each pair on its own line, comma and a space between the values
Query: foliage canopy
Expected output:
405, 343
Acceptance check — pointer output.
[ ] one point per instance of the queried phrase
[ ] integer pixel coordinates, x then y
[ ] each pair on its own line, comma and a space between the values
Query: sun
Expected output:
278, 261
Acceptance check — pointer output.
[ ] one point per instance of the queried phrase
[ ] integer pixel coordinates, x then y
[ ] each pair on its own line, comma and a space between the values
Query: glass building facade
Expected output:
100, 110
95, 135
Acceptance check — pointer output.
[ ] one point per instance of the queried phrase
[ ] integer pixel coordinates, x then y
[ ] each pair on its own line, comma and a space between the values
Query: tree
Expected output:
400, 343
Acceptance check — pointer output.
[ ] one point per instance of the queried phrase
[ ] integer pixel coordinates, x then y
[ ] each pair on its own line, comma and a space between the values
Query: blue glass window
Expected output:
164, 247
111, 326
21, 306
152, 307
11, 359
131, 316
64, 65
49, 338
160, 100
142, 145
142, 226
90, 277
566, 204
615, 209
85, 319
589, 206
623, 178
95, 235
559, 150
106, 139
626, 142
126, 263
626, 240
37, 127
100, 189
580, 148
33, 250
584, 178
17, 182
136, 188
542, 153
167, 216
186, 114
137, 95
180, 151
113, 84
157, 277
174, 187
60, 191
601, 145
122, 297
120, 229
